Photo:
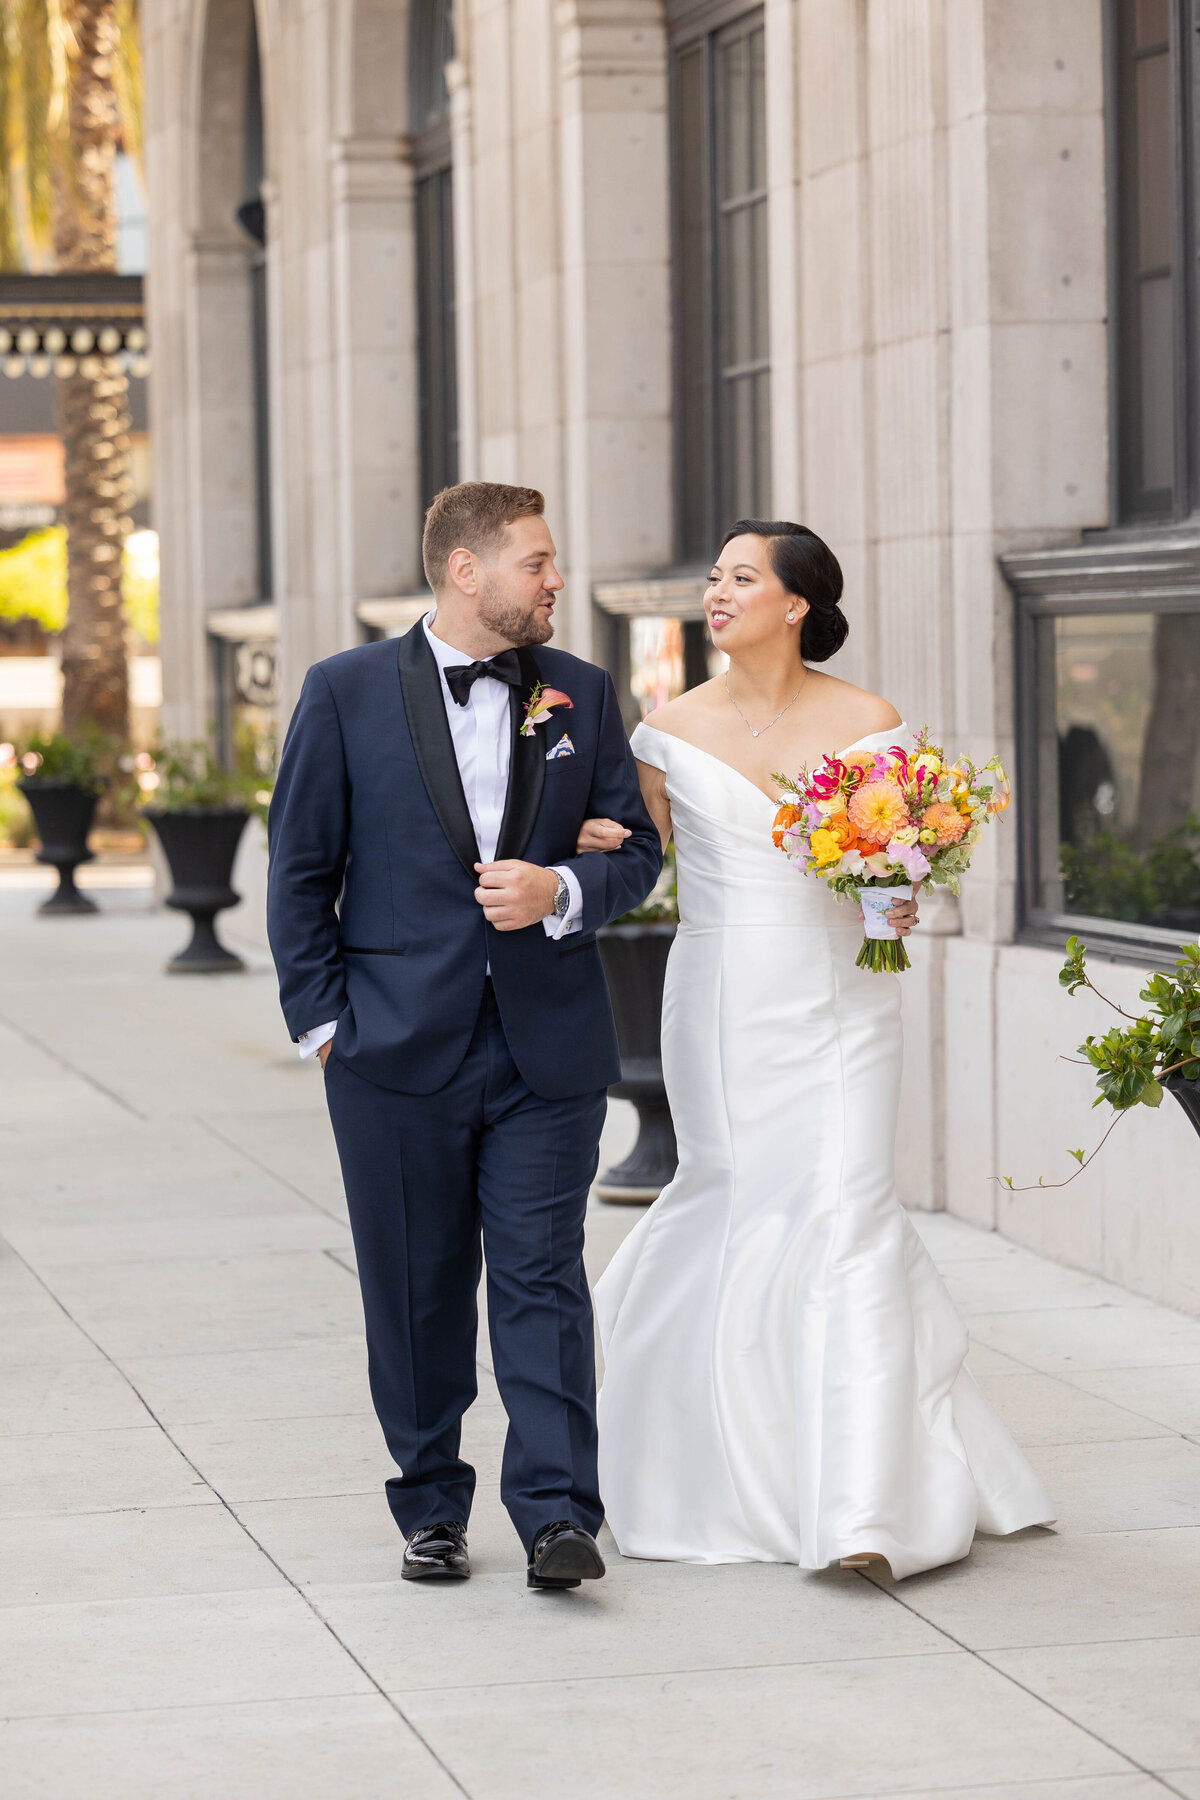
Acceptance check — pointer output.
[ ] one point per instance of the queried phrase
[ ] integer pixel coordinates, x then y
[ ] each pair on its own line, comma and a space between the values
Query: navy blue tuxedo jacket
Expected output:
371, 907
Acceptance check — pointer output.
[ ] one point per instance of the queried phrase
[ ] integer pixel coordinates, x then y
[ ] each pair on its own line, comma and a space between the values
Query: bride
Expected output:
784, 1369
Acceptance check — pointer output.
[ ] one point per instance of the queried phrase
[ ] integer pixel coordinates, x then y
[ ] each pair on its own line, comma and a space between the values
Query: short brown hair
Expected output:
472, 516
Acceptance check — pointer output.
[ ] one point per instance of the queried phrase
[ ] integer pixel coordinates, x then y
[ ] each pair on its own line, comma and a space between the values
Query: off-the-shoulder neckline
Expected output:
772, 800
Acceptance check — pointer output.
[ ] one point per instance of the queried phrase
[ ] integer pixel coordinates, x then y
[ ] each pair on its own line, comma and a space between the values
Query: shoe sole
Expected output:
435, 1574
566, 1564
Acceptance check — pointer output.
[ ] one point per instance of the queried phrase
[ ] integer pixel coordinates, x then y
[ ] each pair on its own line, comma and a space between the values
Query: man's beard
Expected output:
517, 625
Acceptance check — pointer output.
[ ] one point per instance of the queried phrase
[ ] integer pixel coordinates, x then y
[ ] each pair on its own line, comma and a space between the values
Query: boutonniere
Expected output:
541, 704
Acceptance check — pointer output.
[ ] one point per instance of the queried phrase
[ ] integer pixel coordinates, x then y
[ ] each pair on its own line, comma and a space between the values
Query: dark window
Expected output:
722, 364
1150, 54
1108, 689
252, 217
432, 47
1110, 748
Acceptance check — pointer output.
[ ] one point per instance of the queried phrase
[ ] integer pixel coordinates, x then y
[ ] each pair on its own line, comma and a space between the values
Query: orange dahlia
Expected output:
785, 818
843, 831
877, 811
946, 820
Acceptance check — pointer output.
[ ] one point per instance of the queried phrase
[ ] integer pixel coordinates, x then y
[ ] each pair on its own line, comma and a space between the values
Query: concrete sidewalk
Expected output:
199, 1590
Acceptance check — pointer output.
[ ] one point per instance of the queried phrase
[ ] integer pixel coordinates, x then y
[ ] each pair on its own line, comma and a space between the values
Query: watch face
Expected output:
562, 898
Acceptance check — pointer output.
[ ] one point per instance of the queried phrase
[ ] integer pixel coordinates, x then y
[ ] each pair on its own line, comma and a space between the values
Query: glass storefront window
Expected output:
655, 662
1118, 768
668, 656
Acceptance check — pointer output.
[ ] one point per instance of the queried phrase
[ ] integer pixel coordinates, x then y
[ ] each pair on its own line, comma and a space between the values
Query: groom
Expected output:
434, 932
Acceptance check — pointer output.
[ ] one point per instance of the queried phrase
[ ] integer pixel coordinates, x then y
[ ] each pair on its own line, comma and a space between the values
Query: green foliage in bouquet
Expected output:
1135, 1061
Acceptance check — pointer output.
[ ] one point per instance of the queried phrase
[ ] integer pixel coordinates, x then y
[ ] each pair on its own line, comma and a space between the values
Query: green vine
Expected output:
1134, 1061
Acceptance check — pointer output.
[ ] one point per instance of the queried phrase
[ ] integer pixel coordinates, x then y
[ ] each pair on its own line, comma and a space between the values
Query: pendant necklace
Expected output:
757, 731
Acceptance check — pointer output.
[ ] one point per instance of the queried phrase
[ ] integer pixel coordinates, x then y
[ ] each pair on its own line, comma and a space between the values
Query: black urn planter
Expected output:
200, 844
63, 813
1188, 1095
635, 963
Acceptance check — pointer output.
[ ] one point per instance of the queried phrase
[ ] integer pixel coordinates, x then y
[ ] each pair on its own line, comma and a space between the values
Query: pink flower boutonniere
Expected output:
541, 704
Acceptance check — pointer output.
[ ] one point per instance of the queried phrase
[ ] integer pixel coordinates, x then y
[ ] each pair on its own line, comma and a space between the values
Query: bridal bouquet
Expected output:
871, 824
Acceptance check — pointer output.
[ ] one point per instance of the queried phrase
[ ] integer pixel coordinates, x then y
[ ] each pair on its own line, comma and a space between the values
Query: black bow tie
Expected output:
460, 677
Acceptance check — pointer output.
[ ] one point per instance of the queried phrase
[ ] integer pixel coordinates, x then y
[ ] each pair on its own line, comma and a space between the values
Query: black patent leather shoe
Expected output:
437, 1553
563, 1555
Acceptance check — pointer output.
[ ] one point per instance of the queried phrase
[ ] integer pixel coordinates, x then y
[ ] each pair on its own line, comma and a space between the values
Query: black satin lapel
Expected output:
526, 769
429, 728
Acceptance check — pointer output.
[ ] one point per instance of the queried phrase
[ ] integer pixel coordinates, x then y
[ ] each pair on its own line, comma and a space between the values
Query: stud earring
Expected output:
791, 618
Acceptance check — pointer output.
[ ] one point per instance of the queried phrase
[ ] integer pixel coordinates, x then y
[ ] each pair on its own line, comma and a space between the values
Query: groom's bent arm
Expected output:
613, 881
307, 833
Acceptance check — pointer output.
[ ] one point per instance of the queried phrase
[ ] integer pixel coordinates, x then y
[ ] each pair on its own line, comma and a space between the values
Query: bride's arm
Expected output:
606, 834
654, 794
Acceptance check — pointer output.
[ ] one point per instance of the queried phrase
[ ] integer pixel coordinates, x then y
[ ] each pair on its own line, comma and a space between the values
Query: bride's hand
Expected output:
902, 915
600, 834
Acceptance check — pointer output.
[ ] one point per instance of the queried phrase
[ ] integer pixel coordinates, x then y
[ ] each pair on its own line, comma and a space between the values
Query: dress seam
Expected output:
721, 1265
834, 1238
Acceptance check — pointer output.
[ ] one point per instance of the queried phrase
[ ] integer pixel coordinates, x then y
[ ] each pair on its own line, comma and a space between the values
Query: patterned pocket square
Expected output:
564, 747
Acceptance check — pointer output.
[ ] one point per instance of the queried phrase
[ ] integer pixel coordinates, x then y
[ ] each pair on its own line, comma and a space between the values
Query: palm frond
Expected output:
127, 78
43, 66
9, 252
32, 127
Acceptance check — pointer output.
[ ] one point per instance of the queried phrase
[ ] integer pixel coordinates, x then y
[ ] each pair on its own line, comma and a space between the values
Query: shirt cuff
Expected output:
555, 927
310, 1041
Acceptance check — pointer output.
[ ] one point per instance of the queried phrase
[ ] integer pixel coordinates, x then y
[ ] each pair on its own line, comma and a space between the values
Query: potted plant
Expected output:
199, 809
1152, 1053
62, 778
634, 950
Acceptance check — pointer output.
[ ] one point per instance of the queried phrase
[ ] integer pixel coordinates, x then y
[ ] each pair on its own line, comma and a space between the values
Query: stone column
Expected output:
617, 294
375, 327
462, 153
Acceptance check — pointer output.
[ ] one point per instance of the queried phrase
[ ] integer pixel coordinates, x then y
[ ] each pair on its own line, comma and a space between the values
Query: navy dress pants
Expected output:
427, 1176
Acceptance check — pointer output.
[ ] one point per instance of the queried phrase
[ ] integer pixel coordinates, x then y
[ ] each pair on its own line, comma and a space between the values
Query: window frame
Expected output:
1127, 509
697, 26
1088, 582
435, 282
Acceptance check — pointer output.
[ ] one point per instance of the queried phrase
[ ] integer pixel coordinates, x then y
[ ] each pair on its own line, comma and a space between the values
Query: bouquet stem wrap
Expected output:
882, 950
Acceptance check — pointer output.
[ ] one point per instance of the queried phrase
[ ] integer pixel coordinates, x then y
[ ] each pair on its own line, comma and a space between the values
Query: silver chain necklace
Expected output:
757, 731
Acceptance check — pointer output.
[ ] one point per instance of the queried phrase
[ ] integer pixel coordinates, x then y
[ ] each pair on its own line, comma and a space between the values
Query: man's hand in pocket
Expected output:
323, 1052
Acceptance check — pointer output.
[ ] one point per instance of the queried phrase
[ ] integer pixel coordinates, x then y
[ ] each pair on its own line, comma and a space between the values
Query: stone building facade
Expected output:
913, 271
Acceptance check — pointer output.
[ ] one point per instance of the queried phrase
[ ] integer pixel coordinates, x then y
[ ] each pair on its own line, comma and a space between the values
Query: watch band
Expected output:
562, 899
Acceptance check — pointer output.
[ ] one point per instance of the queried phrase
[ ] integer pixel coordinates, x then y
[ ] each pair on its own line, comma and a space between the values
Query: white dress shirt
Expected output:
482, 741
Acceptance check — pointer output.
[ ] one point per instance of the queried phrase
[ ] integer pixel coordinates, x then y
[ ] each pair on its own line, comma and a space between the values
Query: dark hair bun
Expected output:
806, 567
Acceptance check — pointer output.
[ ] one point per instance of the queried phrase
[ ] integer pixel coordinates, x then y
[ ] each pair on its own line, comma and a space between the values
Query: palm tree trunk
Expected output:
93, 402
95, 431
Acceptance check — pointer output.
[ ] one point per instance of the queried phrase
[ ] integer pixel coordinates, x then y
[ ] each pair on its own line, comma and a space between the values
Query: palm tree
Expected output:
70, 90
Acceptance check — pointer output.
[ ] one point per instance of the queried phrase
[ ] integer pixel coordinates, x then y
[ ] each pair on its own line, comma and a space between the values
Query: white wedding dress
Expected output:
784, 1376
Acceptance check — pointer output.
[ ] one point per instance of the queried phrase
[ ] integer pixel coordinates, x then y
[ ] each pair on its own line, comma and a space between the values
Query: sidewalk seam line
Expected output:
265, 1169
1033, 1695
244, 1528
72, 1068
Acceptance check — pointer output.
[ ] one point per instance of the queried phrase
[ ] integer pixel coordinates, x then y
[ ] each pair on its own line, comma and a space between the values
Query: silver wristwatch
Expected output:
562, 899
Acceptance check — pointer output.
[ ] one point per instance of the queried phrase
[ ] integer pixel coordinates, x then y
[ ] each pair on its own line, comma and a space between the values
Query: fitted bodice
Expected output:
730, 873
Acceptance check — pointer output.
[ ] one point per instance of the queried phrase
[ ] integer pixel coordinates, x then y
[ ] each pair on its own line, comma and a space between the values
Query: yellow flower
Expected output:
824, 848
907, 834
928, 836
